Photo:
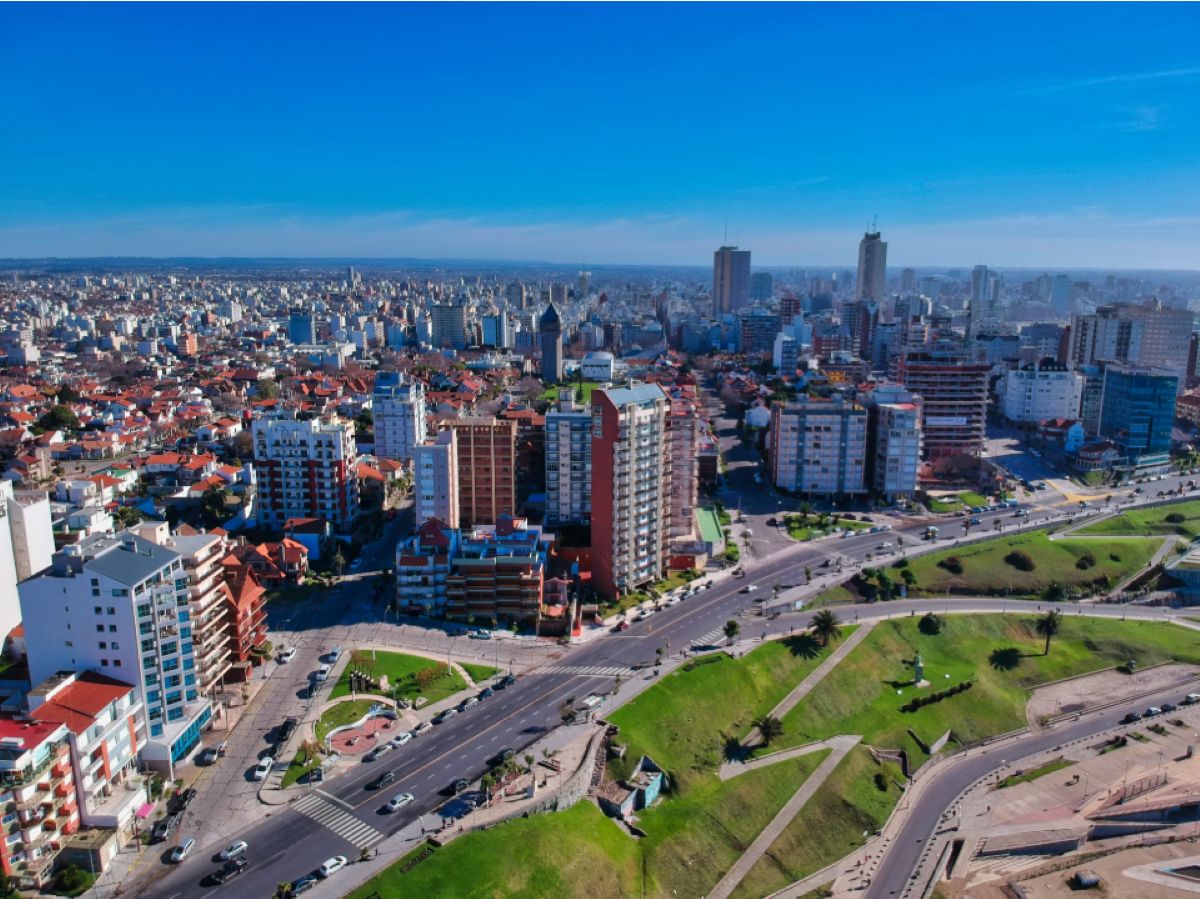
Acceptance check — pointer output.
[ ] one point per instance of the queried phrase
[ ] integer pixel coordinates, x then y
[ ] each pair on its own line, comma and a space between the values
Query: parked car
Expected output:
467, 703
183, 850
233, 850
382, 780
487, 693
321, 674
378, 751
443, 716
459, 631
331, 866
1169, 707
229, 870
287, 729
333, 655
265, 764
503, 755
509, 680
423, 728
399, 801
456, 786
207, 757
182, 799
303, 884
1191, 699
1131, 718
287, 655
479, 635
1152, 711
164, 828
400, 739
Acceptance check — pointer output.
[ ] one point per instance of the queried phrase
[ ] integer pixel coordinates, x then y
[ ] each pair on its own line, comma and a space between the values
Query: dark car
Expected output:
509, 680
456, 787
486, 693
303, 884
1131, 717
287, 729
1169, 707
382, 780
444, 716
229, 870
503, 756
208, 756
182, 799
164, 828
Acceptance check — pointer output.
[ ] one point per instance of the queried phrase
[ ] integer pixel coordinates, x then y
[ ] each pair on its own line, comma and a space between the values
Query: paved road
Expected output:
344, 815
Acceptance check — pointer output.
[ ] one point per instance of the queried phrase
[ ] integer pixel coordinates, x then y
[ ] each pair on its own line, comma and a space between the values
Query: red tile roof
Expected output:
78, 704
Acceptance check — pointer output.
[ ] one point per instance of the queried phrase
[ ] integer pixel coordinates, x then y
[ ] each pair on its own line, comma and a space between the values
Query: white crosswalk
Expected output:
711, 638
597, 670
342, 823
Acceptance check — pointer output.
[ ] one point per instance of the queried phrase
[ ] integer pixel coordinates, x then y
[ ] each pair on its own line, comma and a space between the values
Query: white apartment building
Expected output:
119, 605
1034, 394
568, 463
103, 716
305, 469
399, 412
26, 547
819, 446
435, 480
894, 443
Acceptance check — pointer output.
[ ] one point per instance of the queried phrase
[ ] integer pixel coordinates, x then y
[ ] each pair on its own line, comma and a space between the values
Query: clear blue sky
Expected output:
1042, 135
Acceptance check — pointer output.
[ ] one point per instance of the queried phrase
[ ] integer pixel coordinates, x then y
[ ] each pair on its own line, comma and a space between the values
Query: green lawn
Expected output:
1002, 654
678, 579
570, 853
1151, 522
300, 765
944, 504
1034, 773
401, 671
342, 713
985, 570
829, 826
973, 499
807, 527
478, 673
551, 393
684, 721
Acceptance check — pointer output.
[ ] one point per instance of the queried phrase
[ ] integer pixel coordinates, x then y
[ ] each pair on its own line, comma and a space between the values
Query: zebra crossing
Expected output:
711, 638
344, 824
596, 670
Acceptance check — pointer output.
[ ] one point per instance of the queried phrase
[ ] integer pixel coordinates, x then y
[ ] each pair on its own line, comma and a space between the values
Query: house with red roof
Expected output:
103, 717
246, 623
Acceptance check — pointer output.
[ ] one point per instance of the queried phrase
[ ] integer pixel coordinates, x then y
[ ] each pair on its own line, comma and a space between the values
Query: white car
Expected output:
400, 739
183, 850
287, 655
331, 866
885, 545
321, 674
423, 728
265, 764
398, 802
233, 850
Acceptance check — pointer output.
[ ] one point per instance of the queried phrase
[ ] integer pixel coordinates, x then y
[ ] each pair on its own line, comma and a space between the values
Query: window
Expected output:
115, 646
112, 610
121, 591
104, 663
95, 610
116, 662
112, 628
99, 628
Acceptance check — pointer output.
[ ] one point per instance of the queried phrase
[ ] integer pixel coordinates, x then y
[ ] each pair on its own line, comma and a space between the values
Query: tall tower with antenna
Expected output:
872, 266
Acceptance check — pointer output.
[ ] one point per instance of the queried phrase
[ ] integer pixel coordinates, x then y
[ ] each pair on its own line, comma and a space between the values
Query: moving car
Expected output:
287, 655
233, 850
382, 780
479, 635
749, 588
229, 870
331, 866
398, 801
183, 850
265, 764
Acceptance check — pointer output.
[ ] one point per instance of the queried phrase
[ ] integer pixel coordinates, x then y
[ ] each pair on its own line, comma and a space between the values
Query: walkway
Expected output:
1167, 545
730, 770
805, 686
841, 746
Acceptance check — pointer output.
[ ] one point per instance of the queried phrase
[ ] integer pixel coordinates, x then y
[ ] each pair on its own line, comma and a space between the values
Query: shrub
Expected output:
930, 624
953, 564
881, 782
1086, 561
1020, 560
1176, 518
1114, 557
920, 702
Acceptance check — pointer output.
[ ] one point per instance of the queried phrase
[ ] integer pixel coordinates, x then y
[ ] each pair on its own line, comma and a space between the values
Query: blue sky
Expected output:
1041, 135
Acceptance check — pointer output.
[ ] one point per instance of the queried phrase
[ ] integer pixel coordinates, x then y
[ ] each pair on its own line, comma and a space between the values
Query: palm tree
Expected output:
1049, 625
487, 782
826, 626
769, 727
732, 629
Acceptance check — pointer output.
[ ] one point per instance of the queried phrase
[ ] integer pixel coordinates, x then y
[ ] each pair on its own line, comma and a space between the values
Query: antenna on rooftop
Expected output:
725, 239
874, 219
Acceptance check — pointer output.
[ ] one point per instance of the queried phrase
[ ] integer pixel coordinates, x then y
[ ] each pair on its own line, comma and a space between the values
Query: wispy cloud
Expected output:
1125, 78
1140, 118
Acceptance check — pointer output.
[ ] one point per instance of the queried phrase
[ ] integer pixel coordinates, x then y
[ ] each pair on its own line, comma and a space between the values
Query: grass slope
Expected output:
1151, 522
576, 852
401, 671
478, 673
343, 713
985, 570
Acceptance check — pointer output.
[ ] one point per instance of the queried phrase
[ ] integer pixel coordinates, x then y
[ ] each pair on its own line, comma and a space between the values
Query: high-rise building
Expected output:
120, 605
1149, 335
435, 480
487, 464
568, 464
398, 408
516, 295
496, 574
731, 280
584, 285
449, 325
305, 469
683, 433
1138, 413
26, 546
872, 268
1041, 392
954, 403
893, 442
631, 484
550, 331
819, 446
908, 281
302, 326
756, 330
762, 286
1060, 294
497, 330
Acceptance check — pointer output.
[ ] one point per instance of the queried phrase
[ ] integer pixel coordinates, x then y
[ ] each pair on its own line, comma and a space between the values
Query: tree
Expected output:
338, 562
212, 506
487, 782
731, 629
66, 394
127, 517
769, 728
59, 418
283, 890
826, 626
930, 624
1048, 626
266, 389
807, 575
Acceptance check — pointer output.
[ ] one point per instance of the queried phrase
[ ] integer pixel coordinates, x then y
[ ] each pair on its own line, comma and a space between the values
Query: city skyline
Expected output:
388, 145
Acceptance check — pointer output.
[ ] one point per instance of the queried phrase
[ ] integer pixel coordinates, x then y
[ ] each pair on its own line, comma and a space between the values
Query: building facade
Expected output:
497, 573
550, 331
568, 464
1137, 413
306, 469
398, 409
954, 405
435, 480
819, 446
894, 443
731, 280
872, 268
487, 464
631, 484
1038, 393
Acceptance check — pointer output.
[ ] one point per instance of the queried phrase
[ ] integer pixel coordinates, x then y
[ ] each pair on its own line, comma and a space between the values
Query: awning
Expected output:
145, 809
